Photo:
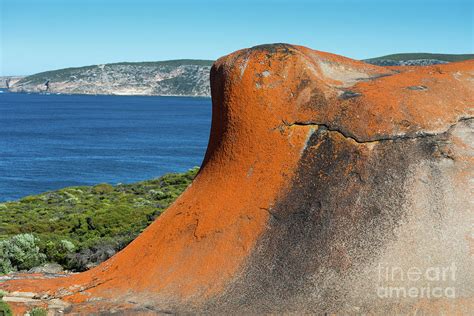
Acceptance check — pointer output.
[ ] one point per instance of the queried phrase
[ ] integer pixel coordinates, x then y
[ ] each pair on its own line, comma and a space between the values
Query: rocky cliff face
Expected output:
7, 82
177, 77
329, 186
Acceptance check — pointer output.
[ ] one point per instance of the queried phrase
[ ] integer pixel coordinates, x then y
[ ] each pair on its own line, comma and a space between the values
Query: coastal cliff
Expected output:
7, 82
168, 78
322, 176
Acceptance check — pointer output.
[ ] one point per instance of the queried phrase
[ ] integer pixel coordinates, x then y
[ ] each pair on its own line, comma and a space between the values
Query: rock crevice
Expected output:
345, 134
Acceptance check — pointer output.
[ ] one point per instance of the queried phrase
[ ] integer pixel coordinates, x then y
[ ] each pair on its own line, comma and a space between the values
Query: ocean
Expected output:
48, 142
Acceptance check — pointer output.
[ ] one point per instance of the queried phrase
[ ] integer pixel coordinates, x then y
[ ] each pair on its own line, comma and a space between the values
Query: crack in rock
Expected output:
375, 139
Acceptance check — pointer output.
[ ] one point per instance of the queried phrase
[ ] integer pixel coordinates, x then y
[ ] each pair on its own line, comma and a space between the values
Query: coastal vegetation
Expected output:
79, 227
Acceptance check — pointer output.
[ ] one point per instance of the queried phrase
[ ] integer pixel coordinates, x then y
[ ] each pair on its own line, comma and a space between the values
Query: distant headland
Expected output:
168, 78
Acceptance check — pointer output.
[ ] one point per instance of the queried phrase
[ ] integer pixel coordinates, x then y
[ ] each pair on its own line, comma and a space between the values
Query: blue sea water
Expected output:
48, 142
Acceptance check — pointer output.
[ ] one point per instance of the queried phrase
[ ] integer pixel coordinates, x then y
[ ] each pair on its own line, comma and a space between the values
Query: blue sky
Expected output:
40, 35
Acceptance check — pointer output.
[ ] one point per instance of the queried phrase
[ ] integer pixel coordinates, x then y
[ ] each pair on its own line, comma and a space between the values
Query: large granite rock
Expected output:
329, 186
51, 268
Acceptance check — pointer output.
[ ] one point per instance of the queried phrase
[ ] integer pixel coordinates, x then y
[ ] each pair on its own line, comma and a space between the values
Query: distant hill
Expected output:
185, 77
417, 59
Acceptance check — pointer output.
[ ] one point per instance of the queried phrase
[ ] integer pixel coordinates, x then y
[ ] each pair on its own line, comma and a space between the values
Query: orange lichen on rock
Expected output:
199, 243
286, 121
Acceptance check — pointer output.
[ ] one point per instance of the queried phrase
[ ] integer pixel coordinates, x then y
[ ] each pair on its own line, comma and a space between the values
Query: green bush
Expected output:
5, 309
5, 263
22, 252
38, 311
103, 188
58, 250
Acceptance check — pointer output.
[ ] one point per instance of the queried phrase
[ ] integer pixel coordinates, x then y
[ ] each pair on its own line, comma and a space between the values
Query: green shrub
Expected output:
57, 250
5, 309
22, 251
38, 311
103, 188
5, 263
